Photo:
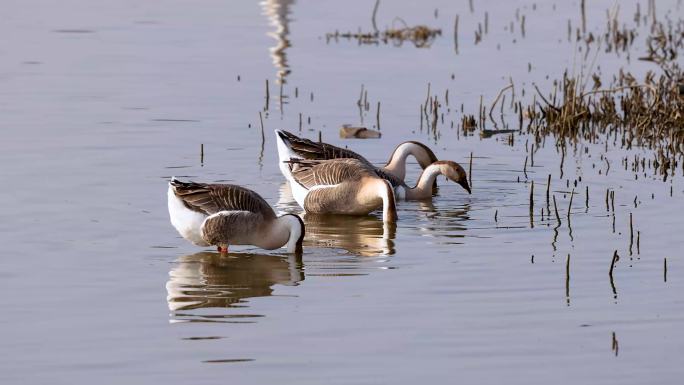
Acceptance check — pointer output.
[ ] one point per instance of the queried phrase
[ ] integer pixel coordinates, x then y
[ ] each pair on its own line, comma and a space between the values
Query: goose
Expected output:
292, 146
340, 186
423, 189
226, 214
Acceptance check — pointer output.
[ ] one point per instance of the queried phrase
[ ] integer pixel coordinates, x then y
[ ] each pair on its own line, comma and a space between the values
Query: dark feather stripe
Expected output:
394, 180
308, 149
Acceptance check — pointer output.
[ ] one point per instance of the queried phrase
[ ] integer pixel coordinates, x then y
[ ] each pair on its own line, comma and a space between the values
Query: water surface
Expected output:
103, 102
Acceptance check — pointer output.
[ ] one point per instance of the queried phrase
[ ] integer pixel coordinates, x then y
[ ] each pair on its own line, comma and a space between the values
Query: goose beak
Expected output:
464, 184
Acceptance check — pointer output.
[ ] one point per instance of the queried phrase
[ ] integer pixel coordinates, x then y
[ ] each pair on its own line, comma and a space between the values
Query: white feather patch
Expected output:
188, 223
285, 153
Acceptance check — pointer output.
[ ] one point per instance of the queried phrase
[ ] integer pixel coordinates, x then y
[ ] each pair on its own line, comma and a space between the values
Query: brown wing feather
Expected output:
212, 198
308, 149
329, 172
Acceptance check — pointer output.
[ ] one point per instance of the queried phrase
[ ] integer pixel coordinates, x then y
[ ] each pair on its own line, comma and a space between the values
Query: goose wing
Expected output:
307, 149
210, 199
311, 173
394, 180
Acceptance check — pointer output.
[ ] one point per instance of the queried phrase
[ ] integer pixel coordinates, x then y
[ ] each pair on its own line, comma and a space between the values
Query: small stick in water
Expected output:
555, 208
532, 196
665, 270
375, 10
377, 117
427, 100
572, 194
470, 171
268, 95
456, 34
532, 205
496, 101
567, 280
202, 154
607, 195
584, 17
525, 168
616, 258
548, 187
421, 118
532, 155
586, 198
496, 214
631, 231
263, 137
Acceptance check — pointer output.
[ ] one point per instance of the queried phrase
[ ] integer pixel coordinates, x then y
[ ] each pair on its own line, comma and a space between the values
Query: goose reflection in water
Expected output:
443, 222
278, 13
366, 236
212, 280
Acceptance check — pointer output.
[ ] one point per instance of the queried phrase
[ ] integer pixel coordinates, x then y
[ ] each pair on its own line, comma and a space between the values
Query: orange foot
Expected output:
222, 250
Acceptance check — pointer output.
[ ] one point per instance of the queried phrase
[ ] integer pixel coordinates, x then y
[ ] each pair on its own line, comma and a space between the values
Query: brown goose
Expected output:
224, 214
291, 146
423, 189
340, 186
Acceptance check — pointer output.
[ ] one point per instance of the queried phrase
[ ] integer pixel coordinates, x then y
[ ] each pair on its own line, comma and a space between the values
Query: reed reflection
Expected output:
278, 13
212, 280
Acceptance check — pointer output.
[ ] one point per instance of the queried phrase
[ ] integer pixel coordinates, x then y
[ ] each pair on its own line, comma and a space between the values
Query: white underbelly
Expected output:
298, 192
284, 154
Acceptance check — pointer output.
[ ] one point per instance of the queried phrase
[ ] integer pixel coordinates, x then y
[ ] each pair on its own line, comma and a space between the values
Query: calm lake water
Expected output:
102, 102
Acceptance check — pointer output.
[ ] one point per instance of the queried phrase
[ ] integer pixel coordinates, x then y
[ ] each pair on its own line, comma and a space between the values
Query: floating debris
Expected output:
348, 132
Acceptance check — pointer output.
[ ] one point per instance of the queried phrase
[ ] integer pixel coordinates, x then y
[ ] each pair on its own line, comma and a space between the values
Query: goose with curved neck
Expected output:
291, 146
396, 164
224, 214
341, 186
423, 189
